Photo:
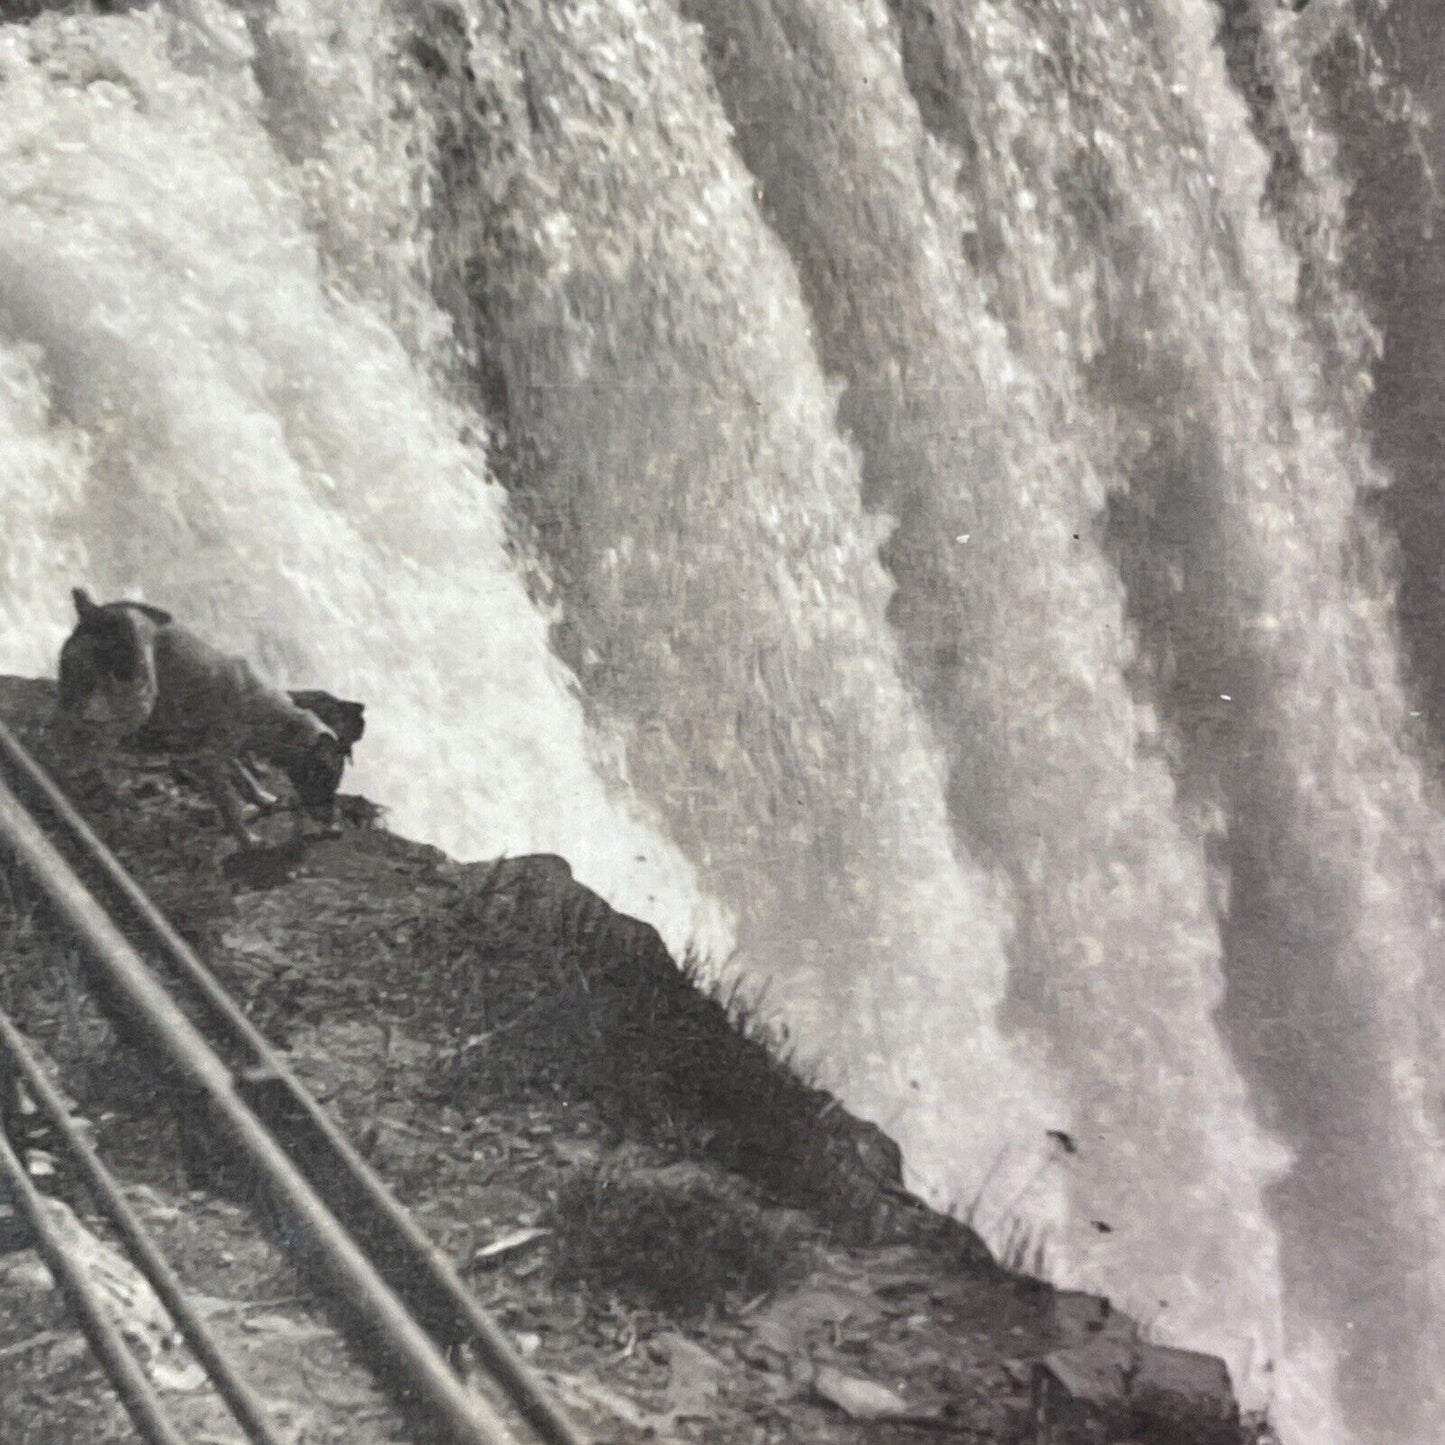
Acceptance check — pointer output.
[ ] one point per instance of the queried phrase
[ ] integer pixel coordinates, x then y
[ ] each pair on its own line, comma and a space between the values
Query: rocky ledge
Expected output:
688, 1241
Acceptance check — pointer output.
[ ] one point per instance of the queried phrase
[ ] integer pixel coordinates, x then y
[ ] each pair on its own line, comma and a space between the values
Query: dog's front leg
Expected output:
85, 750
251, 786
218, 786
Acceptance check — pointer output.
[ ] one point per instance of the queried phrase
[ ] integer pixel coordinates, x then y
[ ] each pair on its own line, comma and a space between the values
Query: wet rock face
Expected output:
625, 1023
1102, 1382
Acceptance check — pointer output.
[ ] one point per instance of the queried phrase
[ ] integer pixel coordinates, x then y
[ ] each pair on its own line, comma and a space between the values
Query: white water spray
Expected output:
194, 414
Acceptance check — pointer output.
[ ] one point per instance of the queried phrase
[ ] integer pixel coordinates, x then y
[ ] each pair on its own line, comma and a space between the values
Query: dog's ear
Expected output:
84, 604
355, 715
156, 614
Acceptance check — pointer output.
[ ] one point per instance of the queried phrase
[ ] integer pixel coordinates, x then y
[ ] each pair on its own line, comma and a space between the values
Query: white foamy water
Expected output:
1015, 624
929, 570
196, 414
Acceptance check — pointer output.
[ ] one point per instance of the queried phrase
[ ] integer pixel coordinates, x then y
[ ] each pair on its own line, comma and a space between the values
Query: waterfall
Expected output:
889, 489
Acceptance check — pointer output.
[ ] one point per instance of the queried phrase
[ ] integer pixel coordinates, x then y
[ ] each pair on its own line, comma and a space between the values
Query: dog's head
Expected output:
350, 723
346, 719
80, 673
315, 767
104, 660
91, 611
104, 647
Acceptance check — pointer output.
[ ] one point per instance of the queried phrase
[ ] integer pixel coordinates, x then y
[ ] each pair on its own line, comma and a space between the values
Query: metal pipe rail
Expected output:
245, 1405
413, 1265
372, 1307
136, 1392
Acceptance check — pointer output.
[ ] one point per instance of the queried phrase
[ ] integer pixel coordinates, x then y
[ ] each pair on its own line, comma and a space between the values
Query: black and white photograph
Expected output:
722, 721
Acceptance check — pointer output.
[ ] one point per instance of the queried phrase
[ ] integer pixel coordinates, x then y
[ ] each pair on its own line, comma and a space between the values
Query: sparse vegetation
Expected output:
679, 1237
1025, 1249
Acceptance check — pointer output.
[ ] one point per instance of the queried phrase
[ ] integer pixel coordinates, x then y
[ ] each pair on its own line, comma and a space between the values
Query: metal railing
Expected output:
408, 1304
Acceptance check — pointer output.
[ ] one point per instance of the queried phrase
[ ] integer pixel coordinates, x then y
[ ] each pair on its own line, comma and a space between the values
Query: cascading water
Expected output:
928, 560
1014, 626
194, 411
721, 596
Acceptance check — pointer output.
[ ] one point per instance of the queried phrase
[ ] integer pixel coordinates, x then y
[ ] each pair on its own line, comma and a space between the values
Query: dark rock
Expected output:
1079, 1318
512, 987
1117, 1388
1180, 1395
649, 1043
1081, 1396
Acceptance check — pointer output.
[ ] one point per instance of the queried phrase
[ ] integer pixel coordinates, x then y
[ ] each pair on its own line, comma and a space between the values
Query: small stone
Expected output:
857, 1398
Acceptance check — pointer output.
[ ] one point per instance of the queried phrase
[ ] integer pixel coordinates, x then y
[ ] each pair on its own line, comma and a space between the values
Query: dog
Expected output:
136, 672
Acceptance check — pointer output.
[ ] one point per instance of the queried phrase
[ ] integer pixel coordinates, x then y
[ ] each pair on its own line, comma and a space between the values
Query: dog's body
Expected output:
148, 674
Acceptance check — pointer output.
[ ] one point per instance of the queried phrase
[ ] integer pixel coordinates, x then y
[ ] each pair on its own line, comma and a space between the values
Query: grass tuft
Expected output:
676, 1237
